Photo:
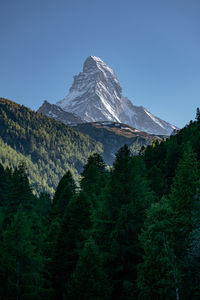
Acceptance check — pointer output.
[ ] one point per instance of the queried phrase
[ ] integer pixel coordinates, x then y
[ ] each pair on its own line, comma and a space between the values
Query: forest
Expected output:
131, 231
47, 146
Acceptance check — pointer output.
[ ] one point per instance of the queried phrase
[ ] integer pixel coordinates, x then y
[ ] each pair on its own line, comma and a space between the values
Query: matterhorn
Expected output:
96, 95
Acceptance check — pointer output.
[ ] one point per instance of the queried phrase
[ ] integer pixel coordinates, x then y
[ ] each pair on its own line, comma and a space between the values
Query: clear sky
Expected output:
152, 45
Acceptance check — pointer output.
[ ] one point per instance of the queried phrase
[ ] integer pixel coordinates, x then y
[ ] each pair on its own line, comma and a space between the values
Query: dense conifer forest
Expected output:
129, 232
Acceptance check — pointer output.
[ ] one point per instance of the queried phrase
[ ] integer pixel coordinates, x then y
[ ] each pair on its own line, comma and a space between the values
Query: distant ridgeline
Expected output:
130, 232
50, 148
47, 147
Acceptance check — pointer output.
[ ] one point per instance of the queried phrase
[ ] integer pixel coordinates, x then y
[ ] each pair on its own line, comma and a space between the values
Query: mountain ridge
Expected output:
48, 146
56, 112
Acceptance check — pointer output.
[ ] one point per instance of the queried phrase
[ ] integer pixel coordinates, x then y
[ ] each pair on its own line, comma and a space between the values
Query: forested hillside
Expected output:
113, 136
129, 233
48, 147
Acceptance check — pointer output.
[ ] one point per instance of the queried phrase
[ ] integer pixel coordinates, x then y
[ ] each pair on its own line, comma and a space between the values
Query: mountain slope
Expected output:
96, 95
113, 136
50, 146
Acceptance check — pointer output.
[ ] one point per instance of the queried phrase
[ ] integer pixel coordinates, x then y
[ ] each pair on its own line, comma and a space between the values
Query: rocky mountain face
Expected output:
56, 112
96, 95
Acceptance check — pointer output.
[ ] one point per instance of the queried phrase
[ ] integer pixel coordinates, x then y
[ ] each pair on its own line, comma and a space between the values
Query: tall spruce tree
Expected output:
126, 251
193, 270
19, 191
94, 178
158, 274
64, 193
22, 263
185, 184
182, 202
89, 281
120, 190
73, 232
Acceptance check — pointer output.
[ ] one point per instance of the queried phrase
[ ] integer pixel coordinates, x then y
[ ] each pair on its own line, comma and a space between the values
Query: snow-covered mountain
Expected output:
96, 95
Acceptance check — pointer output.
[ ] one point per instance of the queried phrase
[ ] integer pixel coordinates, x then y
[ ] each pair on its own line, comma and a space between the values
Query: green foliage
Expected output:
73, 232
21, 265
48, 147
89, 280
185, 184
64, 193
158, 274
133, 198
92, 172
130, 232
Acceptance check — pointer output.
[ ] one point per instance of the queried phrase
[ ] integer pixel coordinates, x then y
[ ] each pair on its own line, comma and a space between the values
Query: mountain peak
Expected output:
94, 63
91, 63
96, 95
93, 59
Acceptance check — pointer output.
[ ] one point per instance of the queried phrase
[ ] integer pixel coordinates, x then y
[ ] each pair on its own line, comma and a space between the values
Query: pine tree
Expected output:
73, 232
126, 251
19, 191
192, 290
89, 281
184, 187
182, 202
64, 193
21, 268
198, 114
171, 161
159, 276
43, 207
94, 177
4, 179
120, 188
157, 182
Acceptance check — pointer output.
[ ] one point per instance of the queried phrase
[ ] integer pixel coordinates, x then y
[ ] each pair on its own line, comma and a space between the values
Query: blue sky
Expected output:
152, 45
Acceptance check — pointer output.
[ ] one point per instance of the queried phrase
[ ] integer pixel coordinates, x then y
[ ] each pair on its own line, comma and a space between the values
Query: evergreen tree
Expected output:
89, 281
3, 185
182, 201
171, 161
19, 191
43, 207
193, 256
159, 276
94, 177
120, 188
198, 114
64, 193
21, 268
126, 251
184, 188
73, 232
158, 182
